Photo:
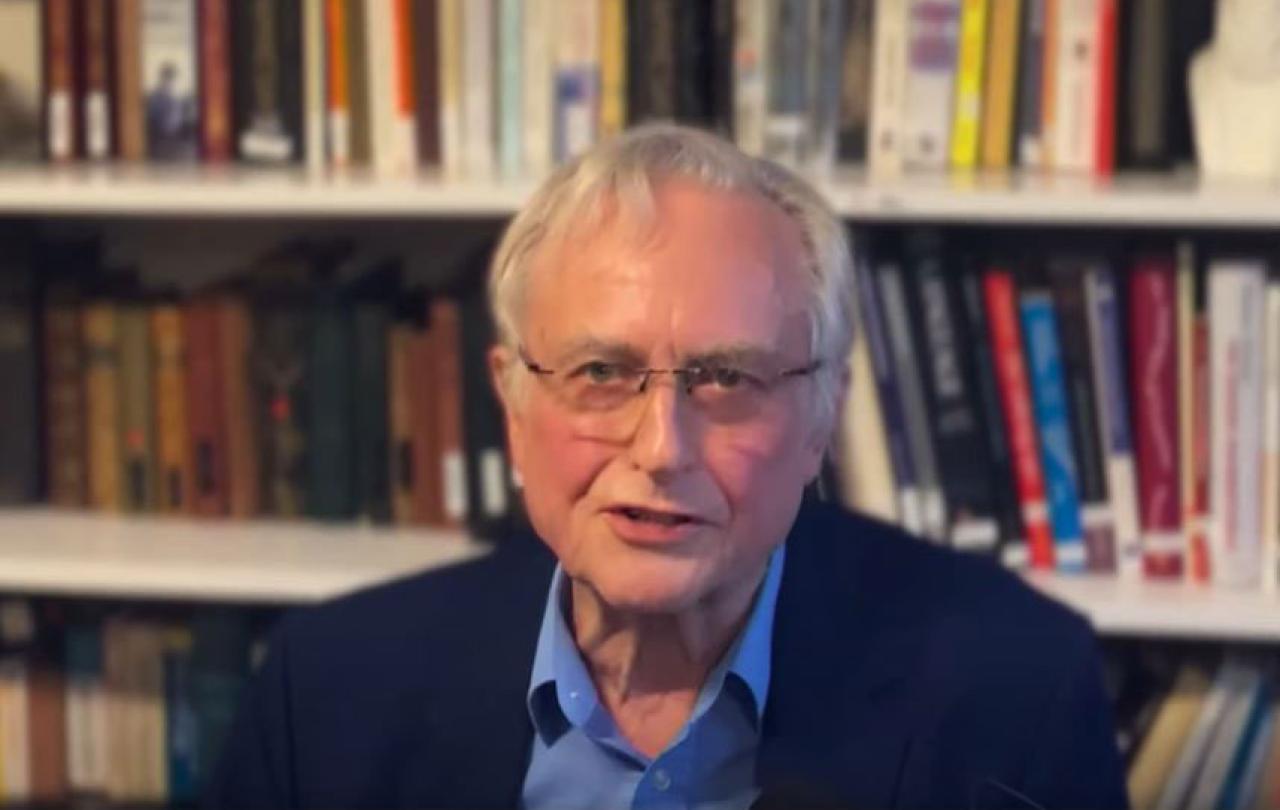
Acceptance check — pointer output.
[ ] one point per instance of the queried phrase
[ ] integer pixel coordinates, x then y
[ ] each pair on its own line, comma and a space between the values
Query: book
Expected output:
426, 80
1151, 767
1153, 364
21, 80
1076, 54
205, 419
1030, 120
102, 410
61, 93
215, 80
86, 709
536, 97
694, 54
1270, 482
137, 400
999, 92
930, 87
314, 71
130, 110
283, 327
477, 83
510, 84
337, 60
15, 730
446, 337
389, 88
576, 82
331, 399
1198, 564
855, 82
886, 150
867, 478
651, 65
613, 69
750, 74
786, 119
169, 52
20, 451
182, 736
1232, 679
1211, 782
372, 320
46, 731
402, 470
358, 122
172, 438
240, 428
970, 77
95, 90
823, 63
64, 398
1051, 54
1186, 282
266, 68
487, 465
1106, 346
1052, 412
1234, 784
1237, 298
1146, 76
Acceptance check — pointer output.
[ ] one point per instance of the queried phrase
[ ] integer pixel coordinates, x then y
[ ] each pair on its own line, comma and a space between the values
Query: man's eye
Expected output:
599, 372
728, 377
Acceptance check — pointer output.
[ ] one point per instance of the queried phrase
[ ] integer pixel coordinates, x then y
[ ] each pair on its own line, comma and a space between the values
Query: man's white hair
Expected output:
619, 175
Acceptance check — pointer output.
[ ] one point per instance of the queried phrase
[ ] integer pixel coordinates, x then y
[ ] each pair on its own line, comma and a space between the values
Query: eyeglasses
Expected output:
606, 392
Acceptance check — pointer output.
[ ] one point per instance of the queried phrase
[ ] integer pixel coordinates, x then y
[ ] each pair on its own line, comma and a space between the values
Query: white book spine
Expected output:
1222, 750
449, 28
380, 50
477, 89
931, 72
1237, 291
313, 75
1075, 95
577, 79
1230, 678
1271, 442
510, 88
750, 74
538, 92
404, 114
866, 470
14, 731
888, 88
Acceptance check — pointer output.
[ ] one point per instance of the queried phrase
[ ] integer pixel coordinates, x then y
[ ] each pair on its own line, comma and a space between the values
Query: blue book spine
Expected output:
1049, 396
1119, 440
1234, 783
873, 331
182, 734
577, 87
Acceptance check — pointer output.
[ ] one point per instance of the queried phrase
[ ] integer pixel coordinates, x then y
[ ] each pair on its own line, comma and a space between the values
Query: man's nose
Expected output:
664, 441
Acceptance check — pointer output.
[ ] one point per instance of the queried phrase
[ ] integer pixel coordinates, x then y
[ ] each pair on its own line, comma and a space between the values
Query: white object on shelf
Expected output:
1166, 610
44, 551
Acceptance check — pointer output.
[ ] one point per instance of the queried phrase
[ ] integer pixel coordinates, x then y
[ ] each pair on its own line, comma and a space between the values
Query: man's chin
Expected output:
650, 595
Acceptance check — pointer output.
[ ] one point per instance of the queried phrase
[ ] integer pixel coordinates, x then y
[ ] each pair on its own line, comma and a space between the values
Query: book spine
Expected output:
1068, 278
1049, 398
47, 738
1051, 54
882, 363
64, 405
337, 84
60, 80
970, 77
1197, 552
172, 449
426, 80
577, 78
537, 95
1153, 325
215, 81
788, 89
855, 82
424, 425
15, 729
234, 333
1031, 86
1199, 455
137, 437
360, 111
1147, 85
750, 74
331, 456
1270, 441
446, 336
169, 51
372, 483
867, 478
131, 130
1000, 295
511, 87
1237, 296
95, 108
1107, 348
204, 410
885, 156
267, 76
692, 53
919, 438
400, 338
935, 32
818, 146
1104, 157
613, 67
405, 123
1000, 90
381, 88
477, 90
314, 70
283, 405
101, 372
1075, 102
720, 70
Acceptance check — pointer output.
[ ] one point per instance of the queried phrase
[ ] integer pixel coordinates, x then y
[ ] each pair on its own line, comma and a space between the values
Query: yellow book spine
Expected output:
967, 115
613, 67
170, 385
102, 412
1001, 83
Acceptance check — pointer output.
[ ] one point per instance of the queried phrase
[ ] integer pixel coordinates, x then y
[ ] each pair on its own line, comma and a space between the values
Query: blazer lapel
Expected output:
838, 723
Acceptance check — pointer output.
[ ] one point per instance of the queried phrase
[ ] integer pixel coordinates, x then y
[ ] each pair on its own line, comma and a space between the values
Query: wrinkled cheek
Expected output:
560, 465
751, 466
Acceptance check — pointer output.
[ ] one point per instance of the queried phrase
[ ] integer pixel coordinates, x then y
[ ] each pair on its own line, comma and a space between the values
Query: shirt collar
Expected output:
559, 675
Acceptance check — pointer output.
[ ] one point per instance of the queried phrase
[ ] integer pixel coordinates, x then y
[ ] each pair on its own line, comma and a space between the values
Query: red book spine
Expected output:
60, 72
1001, 296
1105, 152
215, 81
1154, 364
1198, 541
204, 409
95, 104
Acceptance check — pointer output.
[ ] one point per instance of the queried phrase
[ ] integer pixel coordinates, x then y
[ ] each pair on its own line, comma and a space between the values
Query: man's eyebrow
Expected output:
731, 354
590, 346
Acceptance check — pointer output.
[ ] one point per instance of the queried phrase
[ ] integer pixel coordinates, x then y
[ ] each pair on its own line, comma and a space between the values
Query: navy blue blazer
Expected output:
904, 675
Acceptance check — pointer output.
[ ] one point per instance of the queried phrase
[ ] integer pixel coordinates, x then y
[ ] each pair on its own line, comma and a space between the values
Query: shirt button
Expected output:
661, 779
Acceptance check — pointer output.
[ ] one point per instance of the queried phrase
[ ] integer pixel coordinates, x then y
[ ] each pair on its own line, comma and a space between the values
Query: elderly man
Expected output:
674, 318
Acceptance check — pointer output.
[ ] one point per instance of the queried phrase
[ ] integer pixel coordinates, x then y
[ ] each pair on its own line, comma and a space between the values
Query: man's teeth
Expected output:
654, 517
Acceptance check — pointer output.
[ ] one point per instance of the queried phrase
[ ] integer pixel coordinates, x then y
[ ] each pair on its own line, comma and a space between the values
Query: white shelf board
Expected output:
1167, 610
144, 190
53, 552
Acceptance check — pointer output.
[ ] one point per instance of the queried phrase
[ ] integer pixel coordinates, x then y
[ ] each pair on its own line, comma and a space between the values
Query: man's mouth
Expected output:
642, 515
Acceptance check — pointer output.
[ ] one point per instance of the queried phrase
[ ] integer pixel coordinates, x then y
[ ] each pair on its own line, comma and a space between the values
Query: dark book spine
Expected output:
487, 464
987, 387
96, 101
855, 82
331, 452
172, 438
283, 348
60, 80
130, 113
208, 496
358, 82
426, 67
446, 331
64, 400
372, 484
215, 80
137, 437
963, 466
693, 61
652, 76
266, 77
720, 86
1030, 149
20, 438
1067, 279
1147, 79
240, 425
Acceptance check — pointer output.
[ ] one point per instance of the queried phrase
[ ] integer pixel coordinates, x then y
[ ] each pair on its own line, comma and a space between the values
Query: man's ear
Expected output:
501, 360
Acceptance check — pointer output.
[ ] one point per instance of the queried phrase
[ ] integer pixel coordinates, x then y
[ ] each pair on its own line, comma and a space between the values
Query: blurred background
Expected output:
243, 246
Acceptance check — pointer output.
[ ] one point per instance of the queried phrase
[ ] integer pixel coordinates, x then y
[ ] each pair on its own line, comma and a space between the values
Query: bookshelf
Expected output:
60, 553
1144, 200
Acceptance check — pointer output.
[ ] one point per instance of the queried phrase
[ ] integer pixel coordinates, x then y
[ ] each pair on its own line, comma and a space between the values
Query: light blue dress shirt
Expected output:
580, 760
